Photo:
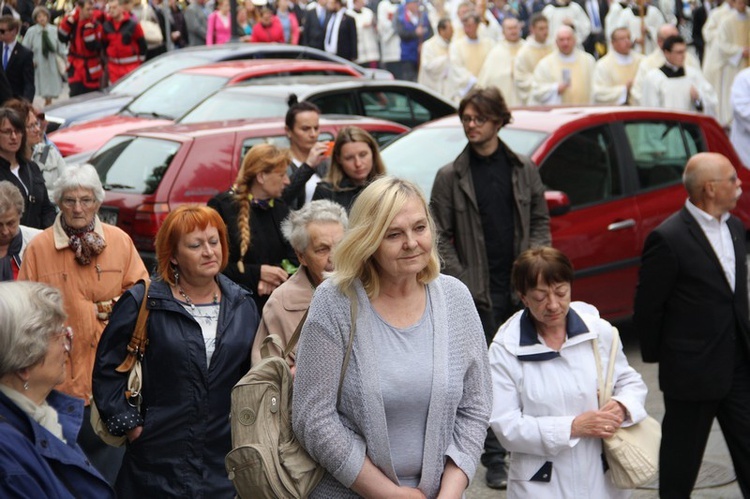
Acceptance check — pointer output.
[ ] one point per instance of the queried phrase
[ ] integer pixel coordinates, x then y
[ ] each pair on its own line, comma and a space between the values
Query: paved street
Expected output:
716, 453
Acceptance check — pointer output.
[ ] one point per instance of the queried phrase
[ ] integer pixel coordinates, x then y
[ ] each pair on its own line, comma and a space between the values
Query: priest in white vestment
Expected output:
536, 48
568, 13
489, 27
656, 60
740, 99
498, 68
676, 85
435, 69
612, 20
732, 47
566, 75
614, 73
643, 32
470, 51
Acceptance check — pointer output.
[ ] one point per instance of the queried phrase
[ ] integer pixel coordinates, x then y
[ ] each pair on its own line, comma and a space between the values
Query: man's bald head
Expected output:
711, 182
565, 39
664, 32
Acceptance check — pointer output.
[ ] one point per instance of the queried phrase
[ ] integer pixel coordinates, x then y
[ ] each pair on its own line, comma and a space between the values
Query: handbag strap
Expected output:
139, 339
605, 384
353, 304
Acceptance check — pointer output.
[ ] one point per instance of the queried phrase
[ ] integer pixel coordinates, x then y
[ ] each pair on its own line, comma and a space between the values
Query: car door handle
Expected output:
624, 224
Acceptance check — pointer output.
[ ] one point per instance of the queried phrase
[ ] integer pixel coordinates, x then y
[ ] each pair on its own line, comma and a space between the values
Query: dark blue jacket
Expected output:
186, 403
407, 31
35, 463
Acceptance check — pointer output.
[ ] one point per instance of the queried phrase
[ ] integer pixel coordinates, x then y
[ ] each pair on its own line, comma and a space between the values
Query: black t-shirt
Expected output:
493, 185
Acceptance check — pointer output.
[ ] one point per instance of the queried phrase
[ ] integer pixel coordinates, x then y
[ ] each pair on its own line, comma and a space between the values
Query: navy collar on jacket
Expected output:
574, 326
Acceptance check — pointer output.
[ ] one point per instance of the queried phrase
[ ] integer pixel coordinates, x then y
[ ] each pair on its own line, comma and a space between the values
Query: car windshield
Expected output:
230, 106
146, 75
415, 157
174, 96
134, 164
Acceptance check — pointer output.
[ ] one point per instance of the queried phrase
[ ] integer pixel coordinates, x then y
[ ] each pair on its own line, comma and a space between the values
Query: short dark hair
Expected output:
671, 41
537, 18
443, 23
296, 107
489, 102
11, 22
18, 124
547, 263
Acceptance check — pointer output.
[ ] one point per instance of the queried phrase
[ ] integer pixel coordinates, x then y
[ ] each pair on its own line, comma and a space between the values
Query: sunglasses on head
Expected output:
41, 117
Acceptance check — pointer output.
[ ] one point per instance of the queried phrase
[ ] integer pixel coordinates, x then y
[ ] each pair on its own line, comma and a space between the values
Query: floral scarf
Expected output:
85, 243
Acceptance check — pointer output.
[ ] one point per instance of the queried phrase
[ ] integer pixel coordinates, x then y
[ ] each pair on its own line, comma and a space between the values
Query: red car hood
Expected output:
91, 135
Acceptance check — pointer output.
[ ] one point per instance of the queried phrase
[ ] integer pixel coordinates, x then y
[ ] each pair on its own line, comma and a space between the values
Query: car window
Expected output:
340, 103
415, 156
175, 95
661, 150
146, 75
584, 166
230, 106
383, 138
134, 164
393, 106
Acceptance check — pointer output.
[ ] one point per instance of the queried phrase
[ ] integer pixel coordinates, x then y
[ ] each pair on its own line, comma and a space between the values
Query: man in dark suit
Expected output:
341, 32
17, 60
596, 43
691, 312
314, 25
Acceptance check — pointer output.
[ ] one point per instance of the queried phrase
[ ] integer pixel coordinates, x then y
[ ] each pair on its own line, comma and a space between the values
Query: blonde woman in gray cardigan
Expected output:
416, 396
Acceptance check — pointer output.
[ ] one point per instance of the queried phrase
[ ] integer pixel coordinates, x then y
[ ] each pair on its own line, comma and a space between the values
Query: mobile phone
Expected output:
566, 76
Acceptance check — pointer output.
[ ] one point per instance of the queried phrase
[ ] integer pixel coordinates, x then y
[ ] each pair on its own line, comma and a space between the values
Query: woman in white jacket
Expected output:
544, 378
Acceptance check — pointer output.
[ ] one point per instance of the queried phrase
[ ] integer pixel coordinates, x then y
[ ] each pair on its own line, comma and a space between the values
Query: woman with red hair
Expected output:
201, 328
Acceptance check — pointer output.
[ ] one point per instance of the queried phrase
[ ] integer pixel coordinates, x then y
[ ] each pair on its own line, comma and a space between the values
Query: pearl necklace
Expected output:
190, 302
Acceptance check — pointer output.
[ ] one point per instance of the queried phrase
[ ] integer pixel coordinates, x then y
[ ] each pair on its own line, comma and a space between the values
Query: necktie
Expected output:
321, 16
595, 15
331, 22
6, 56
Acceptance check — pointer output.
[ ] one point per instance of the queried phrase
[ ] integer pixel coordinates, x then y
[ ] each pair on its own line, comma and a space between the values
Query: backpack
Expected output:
267, 460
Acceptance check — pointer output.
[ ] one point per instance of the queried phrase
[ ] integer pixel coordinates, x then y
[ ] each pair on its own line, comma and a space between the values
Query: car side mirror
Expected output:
558, 203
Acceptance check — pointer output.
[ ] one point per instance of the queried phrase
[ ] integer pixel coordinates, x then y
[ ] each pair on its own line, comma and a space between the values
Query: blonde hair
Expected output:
263, 158
347, 135
372, 214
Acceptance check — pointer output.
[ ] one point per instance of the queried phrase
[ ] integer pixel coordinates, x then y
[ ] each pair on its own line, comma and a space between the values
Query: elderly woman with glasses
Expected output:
39, 456
17, 167
92, 264
44, 154
14, 237
313, 231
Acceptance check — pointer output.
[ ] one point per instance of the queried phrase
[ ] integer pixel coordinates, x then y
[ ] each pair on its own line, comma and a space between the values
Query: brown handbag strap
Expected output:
139, 339
295, 338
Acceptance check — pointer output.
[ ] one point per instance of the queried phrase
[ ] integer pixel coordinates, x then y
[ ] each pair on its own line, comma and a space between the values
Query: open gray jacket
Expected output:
339, 440
461, 236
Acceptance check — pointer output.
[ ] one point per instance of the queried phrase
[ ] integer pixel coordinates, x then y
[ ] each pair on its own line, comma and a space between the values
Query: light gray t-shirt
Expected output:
405, 360
207, 316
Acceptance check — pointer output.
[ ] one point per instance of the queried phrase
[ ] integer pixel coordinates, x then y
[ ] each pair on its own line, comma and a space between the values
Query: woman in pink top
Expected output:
269, 28
219, 29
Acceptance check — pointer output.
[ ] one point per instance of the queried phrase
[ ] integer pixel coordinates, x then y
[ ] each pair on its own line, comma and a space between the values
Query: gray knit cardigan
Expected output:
339, 440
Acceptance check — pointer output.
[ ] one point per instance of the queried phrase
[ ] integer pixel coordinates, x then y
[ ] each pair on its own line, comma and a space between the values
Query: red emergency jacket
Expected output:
84, 51
125, 46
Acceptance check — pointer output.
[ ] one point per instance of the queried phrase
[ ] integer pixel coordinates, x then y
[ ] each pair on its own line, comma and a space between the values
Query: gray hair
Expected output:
10, 197
294, 226
74, 177
39, 9
30, 313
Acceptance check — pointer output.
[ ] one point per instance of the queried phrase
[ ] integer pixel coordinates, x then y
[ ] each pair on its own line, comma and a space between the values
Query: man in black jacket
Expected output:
17, 60
314, 25
691, 311
341, 32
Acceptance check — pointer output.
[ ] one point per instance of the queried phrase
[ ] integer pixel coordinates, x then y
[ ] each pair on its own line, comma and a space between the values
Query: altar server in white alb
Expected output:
740, 101
676, 85
471, 51
536, 48
643, 32
565, 76
436, 71
614, 73
732, 47
498, 68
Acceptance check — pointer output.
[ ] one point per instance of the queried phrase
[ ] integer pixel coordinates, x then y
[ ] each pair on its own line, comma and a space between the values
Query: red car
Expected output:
173, 96
150, 172
612, 174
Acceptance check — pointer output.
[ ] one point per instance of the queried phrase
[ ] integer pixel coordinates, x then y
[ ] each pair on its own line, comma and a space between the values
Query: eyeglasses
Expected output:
478, 120
66, 332
731, 178
84, 202
10, 131
34, 125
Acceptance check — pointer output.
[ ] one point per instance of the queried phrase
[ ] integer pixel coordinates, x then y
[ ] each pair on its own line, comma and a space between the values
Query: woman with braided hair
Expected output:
253, 211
